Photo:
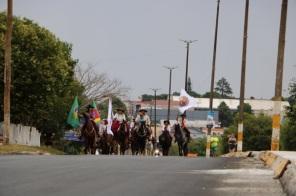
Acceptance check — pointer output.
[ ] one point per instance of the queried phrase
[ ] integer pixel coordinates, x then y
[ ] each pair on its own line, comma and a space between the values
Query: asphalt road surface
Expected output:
134, 176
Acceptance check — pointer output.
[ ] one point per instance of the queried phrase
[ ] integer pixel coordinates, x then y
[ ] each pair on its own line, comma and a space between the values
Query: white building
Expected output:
258, 105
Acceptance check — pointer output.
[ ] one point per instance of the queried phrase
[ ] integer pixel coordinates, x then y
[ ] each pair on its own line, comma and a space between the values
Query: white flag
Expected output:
109, 118
186, 101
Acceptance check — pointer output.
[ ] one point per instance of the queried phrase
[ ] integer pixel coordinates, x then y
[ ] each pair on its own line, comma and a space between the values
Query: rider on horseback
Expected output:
120, 116
167, 126
142, 117
90, 115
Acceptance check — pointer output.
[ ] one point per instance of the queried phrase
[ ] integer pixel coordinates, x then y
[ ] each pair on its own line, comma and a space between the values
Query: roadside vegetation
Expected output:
22, 149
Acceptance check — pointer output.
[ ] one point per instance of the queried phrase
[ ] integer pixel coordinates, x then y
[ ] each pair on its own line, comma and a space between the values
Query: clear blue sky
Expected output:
132, 40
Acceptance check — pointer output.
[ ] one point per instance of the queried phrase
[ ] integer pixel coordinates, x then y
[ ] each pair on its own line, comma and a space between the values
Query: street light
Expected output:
187, 42
170, 86
155, 90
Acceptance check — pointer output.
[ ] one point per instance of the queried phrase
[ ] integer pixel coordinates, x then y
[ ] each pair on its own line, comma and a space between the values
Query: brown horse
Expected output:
89, 134
122, 137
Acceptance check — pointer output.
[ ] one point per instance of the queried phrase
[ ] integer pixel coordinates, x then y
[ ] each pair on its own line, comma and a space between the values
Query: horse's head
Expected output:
177, 128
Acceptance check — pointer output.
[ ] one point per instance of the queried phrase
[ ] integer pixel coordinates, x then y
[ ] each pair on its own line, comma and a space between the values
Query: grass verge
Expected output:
21, 149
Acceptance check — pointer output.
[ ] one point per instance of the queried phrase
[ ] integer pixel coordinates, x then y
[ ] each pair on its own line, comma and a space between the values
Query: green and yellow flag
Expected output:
73, 119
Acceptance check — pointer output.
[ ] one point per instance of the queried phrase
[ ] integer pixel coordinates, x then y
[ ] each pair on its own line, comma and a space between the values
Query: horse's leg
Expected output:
185, 149
180, 149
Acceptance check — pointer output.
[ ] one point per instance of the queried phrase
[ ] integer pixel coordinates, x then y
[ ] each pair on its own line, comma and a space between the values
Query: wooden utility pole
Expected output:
208, 147
170, 88
7, 73
276, 119
187, 42
243, 78
155, 90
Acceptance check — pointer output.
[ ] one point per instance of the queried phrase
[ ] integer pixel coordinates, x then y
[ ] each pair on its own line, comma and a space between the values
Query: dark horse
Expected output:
89, 134
106, 142
182, 138
138, 139
123, 136
142, 133
165, 140
133, 141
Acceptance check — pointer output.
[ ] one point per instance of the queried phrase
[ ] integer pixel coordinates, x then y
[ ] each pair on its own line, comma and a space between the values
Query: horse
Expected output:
133, 141
105, 143
123, 137
142, 133
165, 140
89, 132
182, 139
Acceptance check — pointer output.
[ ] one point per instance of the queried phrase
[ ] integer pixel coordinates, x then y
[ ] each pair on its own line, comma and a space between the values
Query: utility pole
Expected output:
7, 73
170, 88
187, 42
208, 148
276, 119
242, 86
155, 90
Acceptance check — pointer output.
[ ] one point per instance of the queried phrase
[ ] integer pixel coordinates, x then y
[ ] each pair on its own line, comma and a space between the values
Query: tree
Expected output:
176, 94
223, 88
98, 86
257, 132
208, 95
43, 83
247, 108
225, 114
288, 132
116, 103
146, 97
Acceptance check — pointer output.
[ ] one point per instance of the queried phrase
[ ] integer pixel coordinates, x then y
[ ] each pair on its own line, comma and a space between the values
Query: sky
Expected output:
132, 40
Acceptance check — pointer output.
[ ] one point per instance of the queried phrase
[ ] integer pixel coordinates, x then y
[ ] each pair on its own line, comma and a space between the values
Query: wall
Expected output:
23, 135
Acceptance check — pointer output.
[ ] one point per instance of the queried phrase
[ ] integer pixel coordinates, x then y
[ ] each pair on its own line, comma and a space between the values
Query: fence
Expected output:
23, 135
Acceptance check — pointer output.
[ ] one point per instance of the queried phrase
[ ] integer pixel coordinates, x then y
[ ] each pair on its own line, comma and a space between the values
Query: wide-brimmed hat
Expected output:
120, 109
166, 122
142, 110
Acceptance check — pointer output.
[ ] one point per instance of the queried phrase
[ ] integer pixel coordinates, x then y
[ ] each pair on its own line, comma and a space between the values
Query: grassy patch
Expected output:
21, 149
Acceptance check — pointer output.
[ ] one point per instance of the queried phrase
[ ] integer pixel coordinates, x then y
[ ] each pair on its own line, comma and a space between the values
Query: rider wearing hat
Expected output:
166, 126
120, 116
142, 117
89, 111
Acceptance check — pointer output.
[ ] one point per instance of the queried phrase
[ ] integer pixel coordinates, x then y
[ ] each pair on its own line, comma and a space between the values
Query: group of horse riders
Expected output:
137, 132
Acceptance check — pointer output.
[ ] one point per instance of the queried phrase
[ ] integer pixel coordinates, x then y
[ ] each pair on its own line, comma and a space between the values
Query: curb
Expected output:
283, 170
238, 154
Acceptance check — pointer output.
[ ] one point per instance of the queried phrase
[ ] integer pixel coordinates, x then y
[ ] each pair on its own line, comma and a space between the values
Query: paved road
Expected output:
134, 176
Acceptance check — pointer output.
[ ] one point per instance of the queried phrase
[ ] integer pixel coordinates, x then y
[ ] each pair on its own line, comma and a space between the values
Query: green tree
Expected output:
43, 84
146, 97
176, 94
223, 88
247, 108
116, 103
257, 132
225, 114
288, 132
208, 95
